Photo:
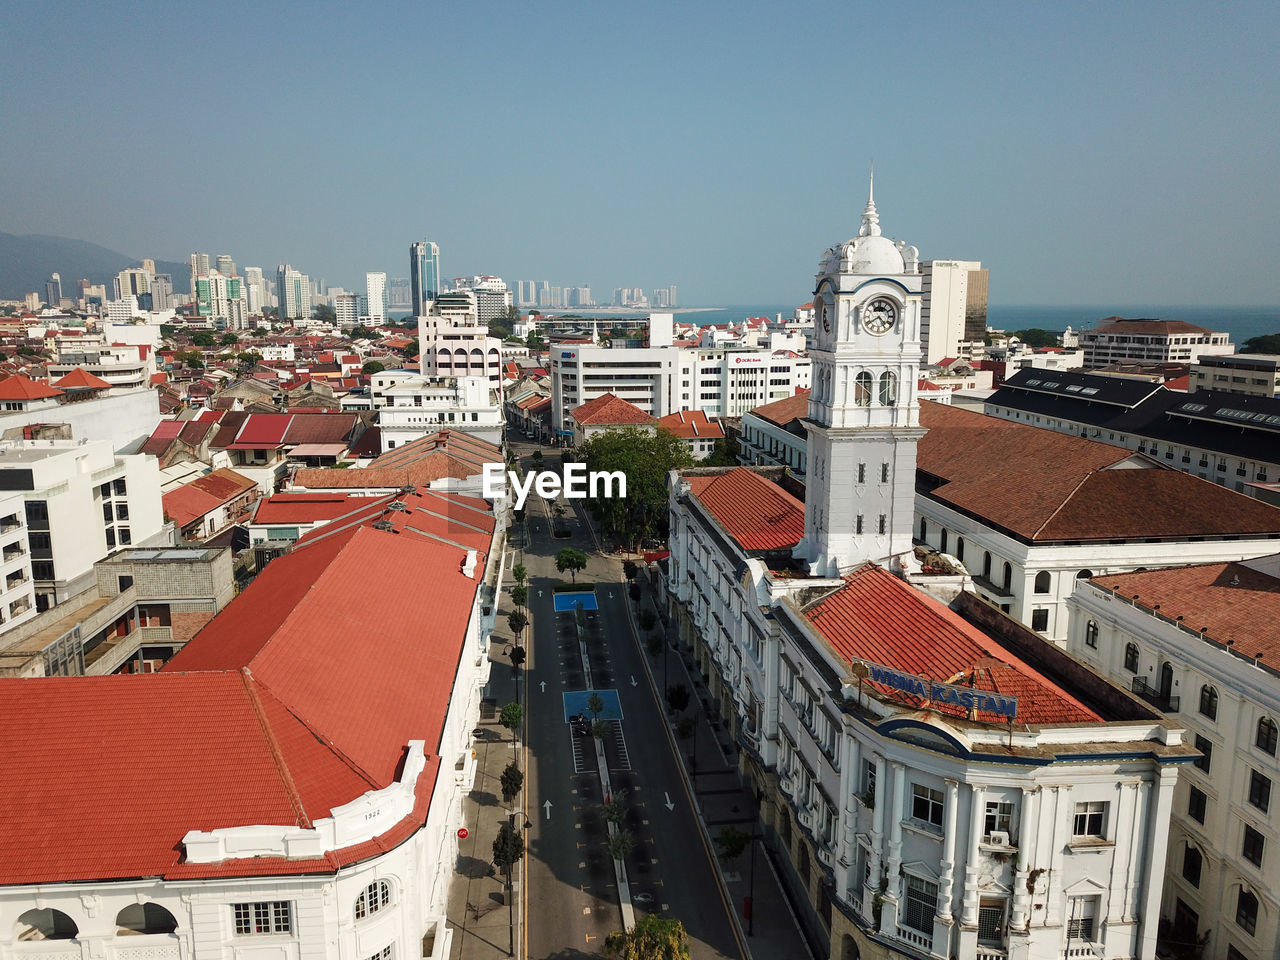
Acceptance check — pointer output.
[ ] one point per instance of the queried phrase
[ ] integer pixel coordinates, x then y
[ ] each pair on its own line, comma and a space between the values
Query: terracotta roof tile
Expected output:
692, 425
81, 379
758, 514
877, 617
193, 500
609, 410
782, 412
19, 387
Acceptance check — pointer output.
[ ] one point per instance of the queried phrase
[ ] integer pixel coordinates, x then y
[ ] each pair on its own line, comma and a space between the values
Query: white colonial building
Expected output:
410, 406
938, 781
274, 814
1204, 639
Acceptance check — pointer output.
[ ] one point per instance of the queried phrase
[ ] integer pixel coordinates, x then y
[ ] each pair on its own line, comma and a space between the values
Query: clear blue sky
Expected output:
1102, 153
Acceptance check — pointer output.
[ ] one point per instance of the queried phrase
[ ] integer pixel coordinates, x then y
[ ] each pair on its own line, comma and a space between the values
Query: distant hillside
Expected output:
27, 261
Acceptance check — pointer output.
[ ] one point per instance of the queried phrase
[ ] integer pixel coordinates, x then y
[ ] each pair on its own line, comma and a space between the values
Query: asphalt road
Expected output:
571, 897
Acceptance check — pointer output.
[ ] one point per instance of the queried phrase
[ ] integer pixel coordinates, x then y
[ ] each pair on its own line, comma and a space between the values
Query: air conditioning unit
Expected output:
998, 838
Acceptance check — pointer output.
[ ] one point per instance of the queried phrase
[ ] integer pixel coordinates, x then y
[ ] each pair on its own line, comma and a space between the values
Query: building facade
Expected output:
1118, 340
1256, 375
424, 275
293, 294
954, 309
375, 285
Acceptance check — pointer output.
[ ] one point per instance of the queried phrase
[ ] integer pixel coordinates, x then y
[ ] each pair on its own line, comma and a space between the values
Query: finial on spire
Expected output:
870, 219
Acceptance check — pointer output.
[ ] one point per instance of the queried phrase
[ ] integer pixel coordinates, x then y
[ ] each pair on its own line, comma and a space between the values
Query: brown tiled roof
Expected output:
610, 410
1046, 486
1237, 605
81, 379
19, 387
785, 410
692, 425
1150, 328
758, 514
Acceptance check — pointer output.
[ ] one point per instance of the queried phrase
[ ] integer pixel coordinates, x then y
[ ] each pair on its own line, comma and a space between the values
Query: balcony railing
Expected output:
1164, 702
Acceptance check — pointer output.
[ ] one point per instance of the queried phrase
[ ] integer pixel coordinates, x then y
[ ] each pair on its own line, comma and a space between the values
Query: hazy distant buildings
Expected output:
346, 309
954, 309
375, 285
424, 275
256, 293
54, 291
293, 291
492, 297
225, 265
399, 293
222, 300
133, 281
1117, 340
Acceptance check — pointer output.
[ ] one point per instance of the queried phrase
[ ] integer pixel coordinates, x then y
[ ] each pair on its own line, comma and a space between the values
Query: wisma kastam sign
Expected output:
966, 698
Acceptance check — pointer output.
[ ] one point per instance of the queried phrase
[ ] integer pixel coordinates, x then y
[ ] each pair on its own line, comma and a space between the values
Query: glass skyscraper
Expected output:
424, 275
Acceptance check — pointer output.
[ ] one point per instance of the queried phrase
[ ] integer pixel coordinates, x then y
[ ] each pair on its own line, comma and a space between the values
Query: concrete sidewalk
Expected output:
709, 764
485, 926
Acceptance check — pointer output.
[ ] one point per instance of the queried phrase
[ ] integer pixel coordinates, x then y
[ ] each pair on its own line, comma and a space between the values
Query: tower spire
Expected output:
870, 219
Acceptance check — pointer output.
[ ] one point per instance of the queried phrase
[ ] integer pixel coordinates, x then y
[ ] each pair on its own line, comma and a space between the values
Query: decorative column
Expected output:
849, 769
889, 911
945, 915
969, 918
1058, 826
872, 885
1122, 830
1141, 793
1021, 916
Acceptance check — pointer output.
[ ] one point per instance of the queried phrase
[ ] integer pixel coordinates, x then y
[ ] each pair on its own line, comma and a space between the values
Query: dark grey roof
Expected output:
1087, 387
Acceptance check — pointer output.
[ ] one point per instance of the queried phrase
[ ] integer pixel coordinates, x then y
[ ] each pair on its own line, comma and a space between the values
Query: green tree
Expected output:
654, 937
645, 457
203, 339
517, 621
411, 350
519, 573
571, 560
629, 569
534, 341
520, 595
508, 848
167, 330
614, 809
1036, 337
595, 705
325, 313
724, 453
512, 780
1268, 343
731, 841
678, 697
621, 843
511, 717
229, 339
372, 366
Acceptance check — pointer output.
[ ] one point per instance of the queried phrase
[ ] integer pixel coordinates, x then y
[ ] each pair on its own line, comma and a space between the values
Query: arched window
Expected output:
1131, 657
46, 924
1209, 702
960, 549
1042, 581
924, 530
943, 541
986, 566
1091, 634
1008, 578
888, 389
1084, 574
1192, 862
1267, 733
862, 389
145, 918
375, 896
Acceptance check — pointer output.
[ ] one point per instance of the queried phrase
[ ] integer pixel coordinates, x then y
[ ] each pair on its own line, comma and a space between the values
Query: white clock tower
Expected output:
864, 418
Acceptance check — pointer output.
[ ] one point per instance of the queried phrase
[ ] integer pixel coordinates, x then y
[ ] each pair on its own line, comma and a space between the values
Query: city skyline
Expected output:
1073, 164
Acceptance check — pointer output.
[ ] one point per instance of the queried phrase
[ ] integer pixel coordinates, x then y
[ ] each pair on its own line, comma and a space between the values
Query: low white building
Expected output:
774, 434
1030, 512
275, 815
1203, 639
82, 501
1120, 340
411, 406
17, 588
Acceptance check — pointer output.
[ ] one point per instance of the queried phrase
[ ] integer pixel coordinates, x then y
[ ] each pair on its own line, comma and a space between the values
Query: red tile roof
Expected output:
1046, 486
692, 425
19, 387
306, 507
1113, 325
877, 617
81, 379
758, 514
1237, 604
610, 410
203, 495
782, 412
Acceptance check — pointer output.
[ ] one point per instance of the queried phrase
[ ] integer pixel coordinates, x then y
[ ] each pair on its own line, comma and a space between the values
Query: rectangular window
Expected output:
869, 779
1251, 848
862, 473
921, 904
882, 525
926, 804
272, 916
1205, 760
1259, 790
1080, 922
1040, 620
1090, 820
991, 922
884, 473
998, 819
118, 487
1196, 804
858, 524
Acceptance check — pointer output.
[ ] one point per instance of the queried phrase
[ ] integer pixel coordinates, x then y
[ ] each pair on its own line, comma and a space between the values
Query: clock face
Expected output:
826, 318
880, 315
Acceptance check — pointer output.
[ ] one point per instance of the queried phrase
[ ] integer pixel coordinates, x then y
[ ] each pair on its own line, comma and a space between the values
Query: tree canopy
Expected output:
508, 848
372, 366
1036, 337
203, 339
645, 457
571, 560
1268, 343
324, 313
652, 938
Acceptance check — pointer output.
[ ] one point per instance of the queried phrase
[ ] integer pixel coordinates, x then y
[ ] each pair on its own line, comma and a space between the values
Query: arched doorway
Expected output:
1166, 680
848, 948
46, 924
143, 918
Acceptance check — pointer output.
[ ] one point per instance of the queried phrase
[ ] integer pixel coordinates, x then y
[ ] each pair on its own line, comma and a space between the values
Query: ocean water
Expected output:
1241, 322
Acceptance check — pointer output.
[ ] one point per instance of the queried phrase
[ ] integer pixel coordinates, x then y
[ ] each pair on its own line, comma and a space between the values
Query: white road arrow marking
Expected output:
670, 805
547, 807
610, 594
544, 686
633, 680
539, 593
